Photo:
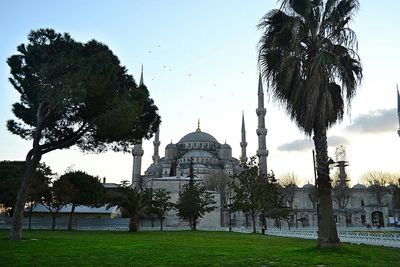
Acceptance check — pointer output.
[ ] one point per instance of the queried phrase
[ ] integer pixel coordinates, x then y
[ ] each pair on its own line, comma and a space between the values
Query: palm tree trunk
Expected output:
327, 232
134, 224
71, 217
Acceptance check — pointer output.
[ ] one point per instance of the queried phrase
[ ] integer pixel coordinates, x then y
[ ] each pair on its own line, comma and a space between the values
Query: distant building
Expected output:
80, 212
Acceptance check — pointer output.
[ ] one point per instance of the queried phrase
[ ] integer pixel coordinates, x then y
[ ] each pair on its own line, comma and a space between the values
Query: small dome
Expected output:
198, 136
308, 186
226, 146
359, 186
170, 146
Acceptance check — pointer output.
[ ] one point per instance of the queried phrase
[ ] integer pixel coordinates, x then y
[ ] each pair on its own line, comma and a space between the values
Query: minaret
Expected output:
262, 151
156, 143
137, 153
243, 144
398, 107
141, 77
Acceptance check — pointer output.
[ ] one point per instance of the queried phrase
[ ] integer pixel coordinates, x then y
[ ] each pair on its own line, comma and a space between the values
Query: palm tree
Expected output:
132, 203
307, 54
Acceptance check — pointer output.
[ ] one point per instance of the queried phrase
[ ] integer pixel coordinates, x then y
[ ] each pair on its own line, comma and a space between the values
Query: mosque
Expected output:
210, 157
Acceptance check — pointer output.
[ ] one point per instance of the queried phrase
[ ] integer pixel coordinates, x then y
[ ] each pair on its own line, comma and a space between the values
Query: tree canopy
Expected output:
160, 204
194, 200
11, 174
77, 94
254, 193
73, 93
132, 202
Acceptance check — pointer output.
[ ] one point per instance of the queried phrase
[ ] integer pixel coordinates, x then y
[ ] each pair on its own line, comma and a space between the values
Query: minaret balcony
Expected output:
261, 111
261, 132
262, 152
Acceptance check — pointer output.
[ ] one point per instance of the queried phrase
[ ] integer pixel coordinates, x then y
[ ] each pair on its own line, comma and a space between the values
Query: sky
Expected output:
200, 62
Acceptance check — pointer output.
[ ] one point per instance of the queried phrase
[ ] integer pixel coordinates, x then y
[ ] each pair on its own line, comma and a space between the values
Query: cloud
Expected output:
300, 145
336, 140
377, 121
297, 145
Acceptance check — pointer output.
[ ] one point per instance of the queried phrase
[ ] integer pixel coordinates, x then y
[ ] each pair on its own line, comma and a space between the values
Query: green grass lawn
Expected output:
183, 248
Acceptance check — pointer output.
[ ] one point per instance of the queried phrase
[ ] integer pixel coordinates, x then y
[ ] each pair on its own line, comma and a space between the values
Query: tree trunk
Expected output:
30, 216
53, 226
327, 232
71, 217
32, 161
134, 224
161, 223
194, 224
253, 218
264, 221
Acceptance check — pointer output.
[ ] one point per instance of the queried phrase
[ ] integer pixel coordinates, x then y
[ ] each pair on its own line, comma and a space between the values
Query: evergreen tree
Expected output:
53, 203
160, 204
73, 93
79, 188
194, 200
255, 194
247, 189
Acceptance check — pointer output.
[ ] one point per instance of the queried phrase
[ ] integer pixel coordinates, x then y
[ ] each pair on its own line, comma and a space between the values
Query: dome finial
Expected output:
198, 126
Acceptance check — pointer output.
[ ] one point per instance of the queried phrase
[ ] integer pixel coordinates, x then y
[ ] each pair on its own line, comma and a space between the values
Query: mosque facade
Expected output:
211, 157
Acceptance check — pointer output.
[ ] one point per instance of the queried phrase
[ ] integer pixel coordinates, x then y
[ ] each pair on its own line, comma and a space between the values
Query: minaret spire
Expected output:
262, 151
243, 143
137, 153
141, 77
398, 107
156, 143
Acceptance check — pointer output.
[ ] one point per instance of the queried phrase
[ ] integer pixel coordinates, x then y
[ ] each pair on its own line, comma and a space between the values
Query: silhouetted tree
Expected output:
132, 202
308, 55
160, 204
52, 202
79, 189
11, 173
73, 93
377, 182
289, 183
341, 195
194, 200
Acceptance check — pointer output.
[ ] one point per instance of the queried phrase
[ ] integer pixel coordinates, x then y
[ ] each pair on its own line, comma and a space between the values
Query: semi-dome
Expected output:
154, 168
359, 186
197, 154
198, 136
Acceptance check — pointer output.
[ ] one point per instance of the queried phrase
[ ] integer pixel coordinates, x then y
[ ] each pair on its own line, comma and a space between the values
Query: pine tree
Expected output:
194, 200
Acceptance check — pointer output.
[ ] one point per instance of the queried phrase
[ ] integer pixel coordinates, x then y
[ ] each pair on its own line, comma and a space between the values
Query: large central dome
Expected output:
198, 136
